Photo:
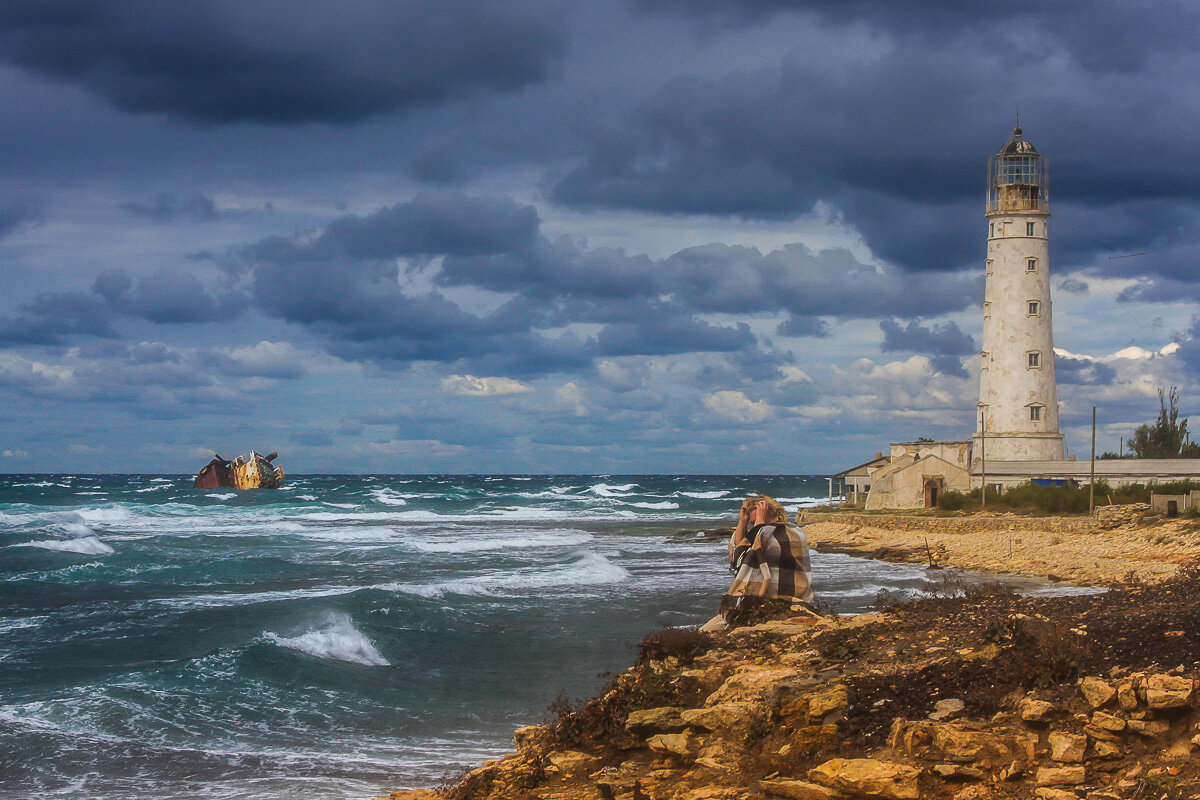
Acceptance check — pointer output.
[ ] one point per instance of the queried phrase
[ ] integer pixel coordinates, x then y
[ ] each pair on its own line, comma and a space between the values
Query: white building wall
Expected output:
1009, 387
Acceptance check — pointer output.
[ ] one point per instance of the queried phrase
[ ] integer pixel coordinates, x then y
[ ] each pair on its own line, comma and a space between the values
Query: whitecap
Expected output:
664, 506
475, 544
607, 490
341, 505
306, 497
225, 496
150, 489
590, 569
104, 515
706, 495
388, 497
336, 640
87, 545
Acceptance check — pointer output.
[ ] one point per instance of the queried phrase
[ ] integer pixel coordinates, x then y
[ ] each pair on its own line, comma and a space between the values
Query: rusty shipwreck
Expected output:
249, 471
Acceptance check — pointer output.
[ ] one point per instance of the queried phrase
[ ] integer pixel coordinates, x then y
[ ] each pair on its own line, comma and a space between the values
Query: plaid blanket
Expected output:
775, 565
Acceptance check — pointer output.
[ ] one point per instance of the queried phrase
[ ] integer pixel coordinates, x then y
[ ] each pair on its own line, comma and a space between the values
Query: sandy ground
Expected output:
1065, 549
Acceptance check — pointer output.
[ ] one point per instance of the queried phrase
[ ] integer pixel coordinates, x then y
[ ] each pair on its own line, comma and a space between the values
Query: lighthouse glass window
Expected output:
1031, 265
1034, 308
1035, 413
1035, 360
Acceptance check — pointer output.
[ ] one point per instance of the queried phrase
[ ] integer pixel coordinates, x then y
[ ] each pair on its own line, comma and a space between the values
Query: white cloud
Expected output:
737, 407
571, 396
471, 386
15, 453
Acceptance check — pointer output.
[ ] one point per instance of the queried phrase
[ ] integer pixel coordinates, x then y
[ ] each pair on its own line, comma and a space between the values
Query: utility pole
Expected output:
982, 462
1092, 487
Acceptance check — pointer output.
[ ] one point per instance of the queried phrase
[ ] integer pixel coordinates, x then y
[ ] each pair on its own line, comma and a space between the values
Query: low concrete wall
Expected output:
973, 524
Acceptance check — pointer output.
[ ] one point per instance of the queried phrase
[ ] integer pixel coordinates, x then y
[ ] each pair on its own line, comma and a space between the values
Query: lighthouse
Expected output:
1018, 397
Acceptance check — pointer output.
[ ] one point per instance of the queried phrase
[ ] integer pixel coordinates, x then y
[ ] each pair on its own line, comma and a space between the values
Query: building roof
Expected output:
1017, 146
1168, 468
873, 461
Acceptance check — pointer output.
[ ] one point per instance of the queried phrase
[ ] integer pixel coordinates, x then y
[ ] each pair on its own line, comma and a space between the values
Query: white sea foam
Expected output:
87, 545
388, 497
104, 515
607, 490
664, 506
337, 640
590, 569
523, 541
341, 505
224, 496
705, 495
150, 489
306, 497
802, 501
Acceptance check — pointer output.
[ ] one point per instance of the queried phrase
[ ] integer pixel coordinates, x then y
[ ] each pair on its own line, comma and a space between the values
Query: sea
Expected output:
344, 636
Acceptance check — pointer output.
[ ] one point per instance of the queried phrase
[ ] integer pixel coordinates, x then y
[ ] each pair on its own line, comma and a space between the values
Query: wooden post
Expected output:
1092, 487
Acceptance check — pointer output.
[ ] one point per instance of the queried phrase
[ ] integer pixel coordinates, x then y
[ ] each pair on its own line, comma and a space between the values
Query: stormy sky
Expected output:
620, 236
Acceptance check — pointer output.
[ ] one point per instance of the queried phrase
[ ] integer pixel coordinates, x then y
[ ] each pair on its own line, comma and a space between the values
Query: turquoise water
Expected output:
343, 636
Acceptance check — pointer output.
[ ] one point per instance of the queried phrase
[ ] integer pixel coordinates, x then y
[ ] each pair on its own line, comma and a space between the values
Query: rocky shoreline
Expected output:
991, 695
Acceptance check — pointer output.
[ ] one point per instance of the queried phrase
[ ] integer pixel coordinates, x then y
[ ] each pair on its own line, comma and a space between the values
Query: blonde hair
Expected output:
777, 512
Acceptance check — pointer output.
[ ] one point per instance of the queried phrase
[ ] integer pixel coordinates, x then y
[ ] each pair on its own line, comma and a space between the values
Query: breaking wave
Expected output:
86, 545
336, 640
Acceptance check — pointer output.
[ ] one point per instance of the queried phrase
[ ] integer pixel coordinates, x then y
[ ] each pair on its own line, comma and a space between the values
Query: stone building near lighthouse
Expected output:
1016, 438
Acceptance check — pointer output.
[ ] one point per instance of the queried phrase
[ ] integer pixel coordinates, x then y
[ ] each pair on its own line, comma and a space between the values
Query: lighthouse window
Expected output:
991, 229
1029, 229
1033, 308
1035, 413
987, 309
988, 265
1035, 360
1031, 265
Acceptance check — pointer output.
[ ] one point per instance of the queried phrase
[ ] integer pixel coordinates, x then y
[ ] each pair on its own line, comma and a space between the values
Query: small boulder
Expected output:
1127, 696
752, 684
731, 717
1050, 793
1168, 691
1097, 692
573, 762
665, 719
1150, 728
1067, 747
1109, 722
1061, 776
796, 790
682, 745
866, 777
529, 736
945, 709
1032, 710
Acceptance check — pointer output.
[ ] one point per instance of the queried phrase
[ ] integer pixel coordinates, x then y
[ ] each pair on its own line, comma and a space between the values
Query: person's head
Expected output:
773, 511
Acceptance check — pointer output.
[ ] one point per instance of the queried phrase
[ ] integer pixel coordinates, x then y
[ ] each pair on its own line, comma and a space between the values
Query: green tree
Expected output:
1167, 437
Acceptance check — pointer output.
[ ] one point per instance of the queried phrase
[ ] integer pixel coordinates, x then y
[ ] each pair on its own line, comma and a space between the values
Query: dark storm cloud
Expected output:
892, 135
52, 318
1096, 33
1082, 371
17, 214
167, 207
167, 295
943, 339
224, 61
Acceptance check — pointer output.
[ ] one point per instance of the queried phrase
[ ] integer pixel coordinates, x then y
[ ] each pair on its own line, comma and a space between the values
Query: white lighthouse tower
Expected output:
1018, 397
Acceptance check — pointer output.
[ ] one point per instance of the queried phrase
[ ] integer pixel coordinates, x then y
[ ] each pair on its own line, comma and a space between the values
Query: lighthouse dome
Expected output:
1017, 145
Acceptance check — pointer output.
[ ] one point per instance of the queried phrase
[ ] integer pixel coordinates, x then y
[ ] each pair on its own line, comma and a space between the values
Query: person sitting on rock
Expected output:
769, 559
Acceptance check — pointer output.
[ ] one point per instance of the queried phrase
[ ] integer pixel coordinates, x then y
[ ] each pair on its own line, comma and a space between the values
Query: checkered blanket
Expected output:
775, 565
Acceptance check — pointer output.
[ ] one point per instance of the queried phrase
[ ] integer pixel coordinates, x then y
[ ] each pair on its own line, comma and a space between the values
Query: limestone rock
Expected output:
573, 762
796, 790
1032, 710
1109, 722
1127, 696
665, 719
866, 777
1061, 776
945, 709
754, 683
1168, 691
957, 772
1050, 793
1097, 692
716, 793
683, 745
833, 698
723, 717
810, 738
1150, 728
529, 736
959, 741
1107, 750
1067, 747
